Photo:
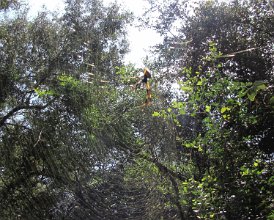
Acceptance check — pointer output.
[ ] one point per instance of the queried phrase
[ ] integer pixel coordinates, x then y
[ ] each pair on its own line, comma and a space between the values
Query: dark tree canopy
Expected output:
77, 142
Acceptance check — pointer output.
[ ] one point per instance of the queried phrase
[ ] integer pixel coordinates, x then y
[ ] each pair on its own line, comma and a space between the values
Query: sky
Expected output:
138, 39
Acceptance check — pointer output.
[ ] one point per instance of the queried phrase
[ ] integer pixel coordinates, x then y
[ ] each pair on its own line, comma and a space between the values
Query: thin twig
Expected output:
39, 139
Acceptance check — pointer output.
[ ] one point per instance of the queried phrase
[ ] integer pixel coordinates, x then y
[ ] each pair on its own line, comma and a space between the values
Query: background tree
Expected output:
5, 4
54, 110
76, 143
221, 56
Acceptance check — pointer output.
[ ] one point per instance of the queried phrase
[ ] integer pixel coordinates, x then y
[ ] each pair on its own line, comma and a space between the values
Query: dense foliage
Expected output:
78, 143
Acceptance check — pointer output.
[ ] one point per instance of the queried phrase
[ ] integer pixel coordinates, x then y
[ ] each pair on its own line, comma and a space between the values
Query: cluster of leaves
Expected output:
75, 143
5, 4
222, 121
222, 108
59, 126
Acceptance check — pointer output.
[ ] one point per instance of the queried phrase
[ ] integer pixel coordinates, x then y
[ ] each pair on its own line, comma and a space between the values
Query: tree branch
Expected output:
172, 176
21, 107
177, 197
39, 138
162, 168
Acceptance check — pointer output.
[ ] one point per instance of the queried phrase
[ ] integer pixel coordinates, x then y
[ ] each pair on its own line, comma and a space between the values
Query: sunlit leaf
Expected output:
208, 108
186, 88
156, 114
224, 109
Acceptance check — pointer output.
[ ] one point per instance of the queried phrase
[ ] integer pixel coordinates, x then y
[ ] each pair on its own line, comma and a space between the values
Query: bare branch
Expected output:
21, 107
39, 138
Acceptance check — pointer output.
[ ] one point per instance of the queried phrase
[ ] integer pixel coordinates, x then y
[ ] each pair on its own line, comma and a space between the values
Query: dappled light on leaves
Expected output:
84, 136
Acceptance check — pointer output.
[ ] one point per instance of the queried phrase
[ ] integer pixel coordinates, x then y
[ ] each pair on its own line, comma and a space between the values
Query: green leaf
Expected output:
224, 109
186, 88
182, 112
271, 181
251, 96
184, 202
156, 114
271, 101
253, 91
259, 83
208, 108
242, 93
42, 93
245, 171
261, 87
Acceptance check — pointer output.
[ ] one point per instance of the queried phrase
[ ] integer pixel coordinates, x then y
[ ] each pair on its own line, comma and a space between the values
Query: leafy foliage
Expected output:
221, 132
77, 144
